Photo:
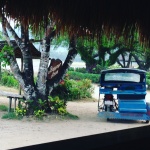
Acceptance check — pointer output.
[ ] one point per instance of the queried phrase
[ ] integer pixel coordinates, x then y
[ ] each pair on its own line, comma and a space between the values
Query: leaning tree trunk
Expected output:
26, 78
44, 62
141, 65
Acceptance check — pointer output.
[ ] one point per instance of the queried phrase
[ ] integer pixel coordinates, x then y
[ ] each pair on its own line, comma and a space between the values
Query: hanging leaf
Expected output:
5, 54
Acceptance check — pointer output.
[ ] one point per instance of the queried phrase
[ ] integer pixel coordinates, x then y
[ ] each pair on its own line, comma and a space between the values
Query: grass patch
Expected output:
10, 115
13, 116
54, 116
3, 108
71, 116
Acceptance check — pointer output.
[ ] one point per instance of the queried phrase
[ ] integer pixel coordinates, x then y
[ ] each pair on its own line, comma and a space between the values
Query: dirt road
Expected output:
19, 133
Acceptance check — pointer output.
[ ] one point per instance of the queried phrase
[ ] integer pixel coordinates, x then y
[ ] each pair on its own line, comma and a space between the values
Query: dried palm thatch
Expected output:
84, 17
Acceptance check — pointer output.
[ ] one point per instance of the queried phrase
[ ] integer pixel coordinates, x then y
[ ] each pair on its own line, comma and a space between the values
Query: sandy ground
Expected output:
19, 133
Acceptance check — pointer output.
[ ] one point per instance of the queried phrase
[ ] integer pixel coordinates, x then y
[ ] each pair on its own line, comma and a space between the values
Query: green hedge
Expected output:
80, 76
95, 77
8, 79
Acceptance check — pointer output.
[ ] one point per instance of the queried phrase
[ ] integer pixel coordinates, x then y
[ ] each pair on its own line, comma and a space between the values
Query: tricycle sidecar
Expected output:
129, 88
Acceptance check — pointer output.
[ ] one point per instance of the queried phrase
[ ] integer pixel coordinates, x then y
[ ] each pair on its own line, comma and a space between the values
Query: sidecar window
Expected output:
131, 77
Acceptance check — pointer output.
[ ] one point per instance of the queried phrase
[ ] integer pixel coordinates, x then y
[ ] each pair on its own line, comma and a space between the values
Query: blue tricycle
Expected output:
124, 92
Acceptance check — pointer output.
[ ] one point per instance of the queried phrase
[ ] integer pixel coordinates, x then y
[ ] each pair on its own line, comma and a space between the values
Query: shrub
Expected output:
39, 114
72, 89
3, 108
85, 88
20, 111
10, 115
82, 70
71, 69
148, 79
7, 79
57, 105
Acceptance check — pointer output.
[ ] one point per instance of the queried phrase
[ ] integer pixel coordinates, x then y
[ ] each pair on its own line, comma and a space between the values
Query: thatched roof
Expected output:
34, 52
85, 16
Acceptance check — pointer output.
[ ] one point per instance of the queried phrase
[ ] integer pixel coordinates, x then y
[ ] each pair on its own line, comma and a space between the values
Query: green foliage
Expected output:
61, 40
62, 111
20, 111
72, 89
5, 54
71, 69
3, 108
42, 104
148, 75
1, 34
148, 79
7, 79
148, 83
85, 88
24, 109
100, 67
80, 76
107, 41
57, 105
82, 70
114, 66
87, 50
39, 113
10, 115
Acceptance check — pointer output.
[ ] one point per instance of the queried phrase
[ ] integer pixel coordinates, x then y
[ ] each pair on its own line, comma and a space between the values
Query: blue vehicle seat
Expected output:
131, 96
128, 105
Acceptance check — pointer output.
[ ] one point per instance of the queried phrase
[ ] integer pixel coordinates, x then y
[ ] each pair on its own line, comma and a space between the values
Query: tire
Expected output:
147, 121
108, 119
105, 108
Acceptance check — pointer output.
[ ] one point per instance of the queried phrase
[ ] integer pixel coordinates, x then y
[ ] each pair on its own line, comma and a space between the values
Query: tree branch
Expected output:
123, 60
137, 60
15, 36
69, 60
129, 60
118, 61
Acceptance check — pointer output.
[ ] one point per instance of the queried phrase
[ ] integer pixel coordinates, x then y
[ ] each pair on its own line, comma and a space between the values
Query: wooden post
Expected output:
10, 102
19, 102
15, 103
